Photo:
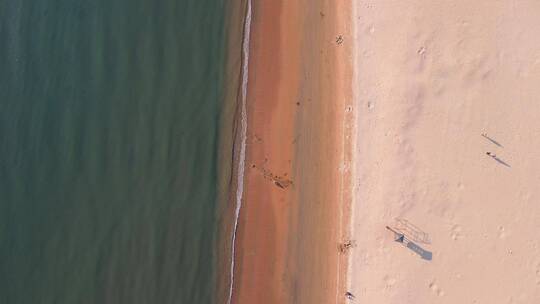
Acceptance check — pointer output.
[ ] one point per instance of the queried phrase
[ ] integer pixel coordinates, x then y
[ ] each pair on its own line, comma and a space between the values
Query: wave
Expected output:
243, 135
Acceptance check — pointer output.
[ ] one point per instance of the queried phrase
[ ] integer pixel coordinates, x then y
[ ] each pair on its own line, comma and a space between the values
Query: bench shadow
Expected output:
405, 241
500, 161
492, 140
423, 253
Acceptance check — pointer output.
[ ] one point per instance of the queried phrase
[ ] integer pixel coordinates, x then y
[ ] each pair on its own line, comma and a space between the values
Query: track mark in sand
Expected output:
389, 282
344, 167
525, 196
417, 58
502, 233
455, 233
413, 103
436, 289
475, 70
370, 29
537, 273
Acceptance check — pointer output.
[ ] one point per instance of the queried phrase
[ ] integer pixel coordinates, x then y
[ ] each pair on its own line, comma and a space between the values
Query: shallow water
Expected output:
108, 136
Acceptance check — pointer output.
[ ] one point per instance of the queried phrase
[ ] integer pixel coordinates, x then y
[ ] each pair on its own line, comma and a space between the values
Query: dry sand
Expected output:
430, 78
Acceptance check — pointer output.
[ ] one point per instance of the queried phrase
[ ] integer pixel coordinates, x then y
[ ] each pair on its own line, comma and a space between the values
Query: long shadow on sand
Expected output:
500, 161
405, 241
492, 140
424, 254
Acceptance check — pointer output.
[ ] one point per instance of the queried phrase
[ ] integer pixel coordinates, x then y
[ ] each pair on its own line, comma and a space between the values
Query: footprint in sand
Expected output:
537, 272
436, 289
476, 71
344, 167
370, 29
455, 233
389, 282
502, 233
525, 196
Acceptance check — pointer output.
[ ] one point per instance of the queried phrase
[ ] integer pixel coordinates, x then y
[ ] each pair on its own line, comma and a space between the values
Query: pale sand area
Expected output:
431, 77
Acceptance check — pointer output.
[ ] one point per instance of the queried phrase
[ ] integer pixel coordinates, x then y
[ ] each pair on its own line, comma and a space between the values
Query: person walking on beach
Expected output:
491, 154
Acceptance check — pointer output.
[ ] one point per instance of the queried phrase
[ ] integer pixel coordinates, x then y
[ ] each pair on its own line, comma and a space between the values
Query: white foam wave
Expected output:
243, 134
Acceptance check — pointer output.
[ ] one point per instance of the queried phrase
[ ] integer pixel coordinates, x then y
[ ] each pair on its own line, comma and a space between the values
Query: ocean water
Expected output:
109, 124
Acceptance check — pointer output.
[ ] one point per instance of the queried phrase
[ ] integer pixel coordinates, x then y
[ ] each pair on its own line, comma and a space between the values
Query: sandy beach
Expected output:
291, 221
265, 214
438, 85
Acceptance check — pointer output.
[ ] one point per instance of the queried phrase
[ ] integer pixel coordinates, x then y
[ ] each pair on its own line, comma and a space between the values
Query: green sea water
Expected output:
109, 124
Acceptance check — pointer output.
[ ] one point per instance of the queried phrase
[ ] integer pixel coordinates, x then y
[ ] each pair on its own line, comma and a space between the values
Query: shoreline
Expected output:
230, 140
243, 137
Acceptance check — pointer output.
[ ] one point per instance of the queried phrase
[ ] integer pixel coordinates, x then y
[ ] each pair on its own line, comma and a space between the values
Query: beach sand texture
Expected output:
430, 78
291, 219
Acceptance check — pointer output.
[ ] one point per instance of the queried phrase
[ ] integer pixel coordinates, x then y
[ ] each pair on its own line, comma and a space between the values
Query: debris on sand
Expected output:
345, 246
280, 181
